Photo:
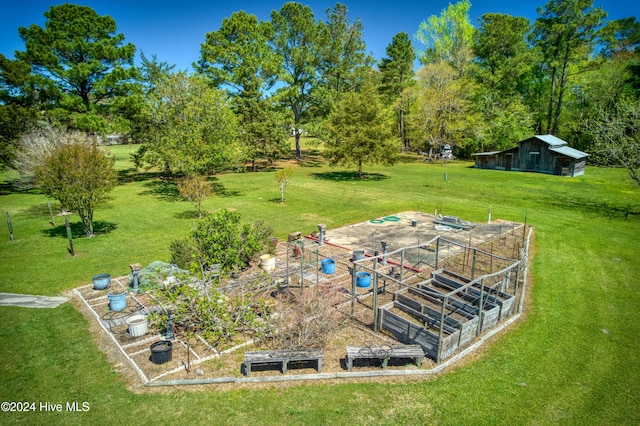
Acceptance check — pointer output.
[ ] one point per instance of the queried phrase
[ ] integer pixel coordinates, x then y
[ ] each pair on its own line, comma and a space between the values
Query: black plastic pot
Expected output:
161, 352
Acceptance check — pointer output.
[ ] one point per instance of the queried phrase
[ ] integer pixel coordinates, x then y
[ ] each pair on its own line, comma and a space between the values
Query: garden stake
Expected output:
9, 225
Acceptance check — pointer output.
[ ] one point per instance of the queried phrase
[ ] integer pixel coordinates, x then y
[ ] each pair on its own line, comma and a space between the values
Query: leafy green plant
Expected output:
217, 317
221, 238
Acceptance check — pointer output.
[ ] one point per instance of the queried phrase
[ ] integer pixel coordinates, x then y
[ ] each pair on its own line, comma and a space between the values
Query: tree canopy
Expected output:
80, 67
256, 82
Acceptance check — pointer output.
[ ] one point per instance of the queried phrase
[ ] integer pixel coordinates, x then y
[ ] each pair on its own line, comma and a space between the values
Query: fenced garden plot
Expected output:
442, 310
308, 294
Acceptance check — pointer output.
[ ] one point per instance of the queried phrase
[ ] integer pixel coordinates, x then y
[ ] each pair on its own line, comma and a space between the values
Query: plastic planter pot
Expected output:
267, 262
101, 281
117, 302
328, 266
363, 279
137, 325
358, 255
161, 352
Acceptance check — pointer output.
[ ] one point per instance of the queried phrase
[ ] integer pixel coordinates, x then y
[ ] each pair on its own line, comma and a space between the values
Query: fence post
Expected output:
69, 235
9, 225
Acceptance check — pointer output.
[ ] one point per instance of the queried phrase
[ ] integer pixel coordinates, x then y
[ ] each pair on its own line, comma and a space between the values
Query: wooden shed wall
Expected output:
532, 155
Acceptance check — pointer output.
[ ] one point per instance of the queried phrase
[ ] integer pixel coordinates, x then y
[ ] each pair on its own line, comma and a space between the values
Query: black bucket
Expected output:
161, 352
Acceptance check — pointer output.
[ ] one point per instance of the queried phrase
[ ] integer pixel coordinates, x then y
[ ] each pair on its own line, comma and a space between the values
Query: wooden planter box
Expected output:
466, 303
503, 300
466, 322
409, 332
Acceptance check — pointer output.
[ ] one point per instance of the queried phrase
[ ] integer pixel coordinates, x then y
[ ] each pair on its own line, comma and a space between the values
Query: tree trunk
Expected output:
563, 81
298, 148
551, 95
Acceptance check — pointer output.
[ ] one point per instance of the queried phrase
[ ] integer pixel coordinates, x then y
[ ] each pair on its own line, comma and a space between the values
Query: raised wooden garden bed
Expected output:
504, 300
466, 322
401, 322
464, 302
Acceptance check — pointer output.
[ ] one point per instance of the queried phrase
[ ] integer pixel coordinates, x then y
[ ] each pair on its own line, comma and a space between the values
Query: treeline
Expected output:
256, 83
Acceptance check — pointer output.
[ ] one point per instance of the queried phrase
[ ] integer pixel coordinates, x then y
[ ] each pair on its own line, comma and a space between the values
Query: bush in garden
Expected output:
221, 238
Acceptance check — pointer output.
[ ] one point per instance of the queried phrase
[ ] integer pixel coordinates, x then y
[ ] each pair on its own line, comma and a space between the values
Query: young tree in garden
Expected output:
448, 37
565, 33
283, 177
78, 173
295, 39
80, 66
196, 189
193, 129
239, 59
358, 131
396, 75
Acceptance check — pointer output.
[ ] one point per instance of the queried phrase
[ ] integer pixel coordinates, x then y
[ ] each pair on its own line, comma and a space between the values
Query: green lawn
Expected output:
575, 359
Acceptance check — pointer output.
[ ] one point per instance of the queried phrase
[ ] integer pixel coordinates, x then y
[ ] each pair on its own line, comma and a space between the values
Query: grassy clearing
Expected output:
573, 361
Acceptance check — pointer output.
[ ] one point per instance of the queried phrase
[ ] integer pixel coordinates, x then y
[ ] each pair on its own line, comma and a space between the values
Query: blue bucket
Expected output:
101, 281
328, 266
363, 279
117, 302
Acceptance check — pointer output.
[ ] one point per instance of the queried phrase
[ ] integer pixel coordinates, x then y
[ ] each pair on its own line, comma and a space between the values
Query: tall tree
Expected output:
81, 64
502, 62
359, 131
448, 37
193, 128
295, 39
344, 60
501, 52
238, 58
565, 33
396, 75
441, 112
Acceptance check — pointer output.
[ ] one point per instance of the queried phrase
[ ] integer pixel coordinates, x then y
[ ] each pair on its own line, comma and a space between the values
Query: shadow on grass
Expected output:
350, 176
42, 210
311, 158
594, 207
165, 189
100, 227
188, 214
220, 190
18, 186
133, 175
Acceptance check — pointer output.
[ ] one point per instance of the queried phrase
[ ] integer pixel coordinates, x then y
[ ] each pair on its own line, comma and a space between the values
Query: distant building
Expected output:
540, 153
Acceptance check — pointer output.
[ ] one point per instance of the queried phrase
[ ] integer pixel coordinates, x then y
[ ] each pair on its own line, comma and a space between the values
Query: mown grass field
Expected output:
575, 358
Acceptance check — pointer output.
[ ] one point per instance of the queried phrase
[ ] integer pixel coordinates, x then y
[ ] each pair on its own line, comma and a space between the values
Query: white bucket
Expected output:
268, 262
137, 325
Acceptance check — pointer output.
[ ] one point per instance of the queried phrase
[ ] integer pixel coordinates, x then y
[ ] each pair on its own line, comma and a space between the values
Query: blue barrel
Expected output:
363, 279
328, 266
101, 281
117, 302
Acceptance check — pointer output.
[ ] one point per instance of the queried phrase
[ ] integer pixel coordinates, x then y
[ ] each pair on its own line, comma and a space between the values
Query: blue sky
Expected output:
173, 30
